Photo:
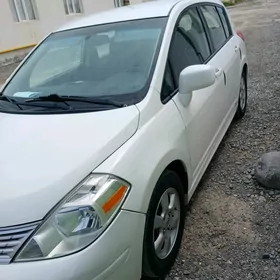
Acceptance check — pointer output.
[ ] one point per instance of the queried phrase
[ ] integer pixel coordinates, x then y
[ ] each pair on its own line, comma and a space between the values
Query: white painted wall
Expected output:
51, 15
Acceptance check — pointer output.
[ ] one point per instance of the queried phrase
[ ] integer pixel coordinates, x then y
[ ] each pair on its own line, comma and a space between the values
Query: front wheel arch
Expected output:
178, 167
152, 265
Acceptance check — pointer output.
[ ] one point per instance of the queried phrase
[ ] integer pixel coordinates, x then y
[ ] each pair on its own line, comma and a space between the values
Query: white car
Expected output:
106, 129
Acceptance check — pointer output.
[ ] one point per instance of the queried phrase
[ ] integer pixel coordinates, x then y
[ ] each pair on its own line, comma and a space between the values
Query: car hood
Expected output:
43, 157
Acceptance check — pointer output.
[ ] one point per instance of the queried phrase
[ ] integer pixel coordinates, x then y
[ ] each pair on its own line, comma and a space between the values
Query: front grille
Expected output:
11, 239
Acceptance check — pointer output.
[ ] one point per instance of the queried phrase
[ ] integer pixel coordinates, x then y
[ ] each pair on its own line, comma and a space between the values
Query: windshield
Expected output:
114, 61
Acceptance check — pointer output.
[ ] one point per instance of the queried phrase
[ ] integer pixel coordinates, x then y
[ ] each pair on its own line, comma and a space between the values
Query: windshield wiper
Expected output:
64, 99
6, 98
19, 104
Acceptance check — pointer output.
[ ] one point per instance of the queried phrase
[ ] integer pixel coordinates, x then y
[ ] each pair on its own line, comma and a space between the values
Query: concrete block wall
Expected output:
17, 38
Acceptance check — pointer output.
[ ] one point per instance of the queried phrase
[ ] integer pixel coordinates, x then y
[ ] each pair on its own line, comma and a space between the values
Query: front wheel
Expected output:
242, 100
164, 225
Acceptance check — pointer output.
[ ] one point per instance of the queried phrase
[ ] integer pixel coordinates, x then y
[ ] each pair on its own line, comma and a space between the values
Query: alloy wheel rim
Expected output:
166, 223
242, 94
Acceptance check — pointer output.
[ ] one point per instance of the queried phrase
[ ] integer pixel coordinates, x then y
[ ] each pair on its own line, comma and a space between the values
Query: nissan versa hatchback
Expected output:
107, 127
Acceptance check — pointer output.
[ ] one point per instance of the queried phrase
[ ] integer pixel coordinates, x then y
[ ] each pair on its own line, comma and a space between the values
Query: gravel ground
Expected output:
232, 226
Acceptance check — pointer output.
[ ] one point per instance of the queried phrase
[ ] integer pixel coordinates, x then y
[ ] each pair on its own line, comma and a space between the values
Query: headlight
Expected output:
78, 220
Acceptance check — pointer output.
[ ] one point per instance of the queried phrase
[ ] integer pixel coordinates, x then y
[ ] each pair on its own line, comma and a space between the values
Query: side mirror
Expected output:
196, 77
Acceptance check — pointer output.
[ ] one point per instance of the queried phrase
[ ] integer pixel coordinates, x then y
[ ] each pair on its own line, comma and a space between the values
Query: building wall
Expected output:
51, 15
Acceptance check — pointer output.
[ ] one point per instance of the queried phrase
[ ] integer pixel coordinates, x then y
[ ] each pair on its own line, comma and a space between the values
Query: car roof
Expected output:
150, 9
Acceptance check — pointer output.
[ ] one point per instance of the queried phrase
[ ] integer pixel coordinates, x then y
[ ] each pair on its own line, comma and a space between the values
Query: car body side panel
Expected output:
158, 142
242, 46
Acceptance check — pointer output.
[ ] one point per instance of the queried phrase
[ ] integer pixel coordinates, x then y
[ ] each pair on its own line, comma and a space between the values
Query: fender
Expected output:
164, 134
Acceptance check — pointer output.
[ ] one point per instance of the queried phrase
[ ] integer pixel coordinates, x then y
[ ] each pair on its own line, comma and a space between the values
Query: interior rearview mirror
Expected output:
196, 77
99, 40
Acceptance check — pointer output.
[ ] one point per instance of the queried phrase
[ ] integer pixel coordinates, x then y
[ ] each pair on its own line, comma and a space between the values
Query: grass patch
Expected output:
229, 3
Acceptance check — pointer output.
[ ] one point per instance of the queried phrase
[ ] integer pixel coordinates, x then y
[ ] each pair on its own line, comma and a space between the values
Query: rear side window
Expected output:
215, 26
225, 21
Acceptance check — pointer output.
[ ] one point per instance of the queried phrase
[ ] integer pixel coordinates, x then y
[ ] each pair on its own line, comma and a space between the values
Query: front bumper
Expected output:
116, 255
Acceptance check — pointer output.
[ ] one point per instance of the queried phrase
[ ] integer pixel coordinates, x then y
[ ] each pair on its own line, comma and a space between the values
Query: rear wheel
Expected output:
164, 225
242, 101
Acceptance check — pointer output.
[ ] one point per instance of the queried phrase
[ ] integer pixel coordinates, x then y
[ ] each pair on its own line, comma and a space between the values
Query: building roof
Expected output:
151, 9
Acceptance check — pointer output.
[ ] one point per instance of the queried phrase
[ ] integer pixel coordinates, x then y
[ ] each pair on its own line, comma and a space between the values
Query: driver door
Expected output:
202, 115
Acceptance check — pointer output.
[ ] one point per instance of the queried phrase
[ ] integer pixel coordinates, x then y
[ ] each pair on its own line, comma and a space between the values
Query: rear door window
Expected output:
215, 26
225, 21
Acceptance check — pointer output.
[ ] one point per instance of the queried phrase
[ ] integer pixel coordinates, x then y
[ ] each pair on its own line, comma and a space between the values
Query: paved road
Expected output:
233, 225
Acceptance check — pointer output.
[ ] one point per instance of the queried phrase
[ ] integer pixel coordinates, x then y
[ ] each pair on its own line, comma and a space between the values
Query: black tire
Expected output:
241, 108
153, 266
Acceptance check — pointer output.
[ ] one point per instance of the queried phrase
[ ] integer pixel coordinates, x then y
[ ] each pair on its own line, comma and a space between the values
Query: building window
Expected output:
73, 6
23, 10
119, 3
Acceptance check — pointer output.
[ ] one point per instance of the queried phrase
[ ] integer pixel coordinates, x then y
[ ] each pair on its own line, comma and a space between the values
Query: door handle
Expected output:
236, 48
218, 72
